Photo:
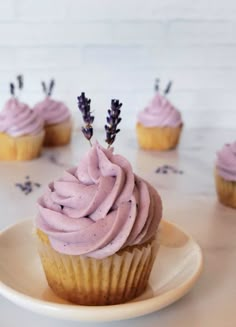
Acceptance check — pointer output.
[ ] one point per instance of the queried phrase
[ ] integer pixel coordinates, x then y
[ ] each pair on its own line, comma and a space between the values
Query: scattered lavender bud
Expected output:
113, 120
27, 186
165, 169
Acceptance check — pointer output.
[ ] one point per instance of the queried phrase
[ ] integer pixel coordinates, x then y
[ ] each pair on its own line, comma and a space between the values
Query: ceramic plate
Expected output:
22, 281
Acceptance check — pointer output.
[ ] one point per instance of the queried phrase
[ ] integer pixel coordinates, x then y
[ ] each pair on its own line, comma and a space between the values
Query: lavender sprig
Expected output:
44, 88
12, 89
168, 87
157, 86
84, 107
20, 81
113, 120
51, 87
48, 90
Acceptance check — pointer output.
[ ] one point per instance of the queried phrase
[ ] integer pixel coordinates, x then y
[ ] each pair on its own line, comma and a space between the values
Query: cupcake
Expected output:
21, 131
159, 125
225, 175
56, 117
97, 225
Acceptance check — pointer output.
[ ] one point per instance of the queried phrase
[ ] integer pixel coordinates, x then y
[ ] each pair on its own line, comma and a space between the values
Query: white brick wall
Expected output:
112, 48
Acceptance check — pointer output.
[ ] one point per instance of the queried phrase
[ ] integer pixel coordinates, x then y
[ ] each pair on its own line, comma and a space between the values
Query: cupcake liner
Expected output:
158, 138
88, 281
226, 191
58, 134
20, 148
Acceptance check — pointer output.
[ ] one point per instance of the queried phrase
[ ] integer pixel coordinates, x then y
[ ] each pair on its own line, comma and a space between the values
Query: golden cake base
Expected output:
58, 134
158, 138
226, 191
88, 281
20, 148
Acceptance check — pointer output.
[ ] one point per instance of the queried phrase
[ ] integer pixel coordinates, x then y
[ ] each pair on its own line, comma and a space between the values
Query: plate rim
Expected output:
101, 313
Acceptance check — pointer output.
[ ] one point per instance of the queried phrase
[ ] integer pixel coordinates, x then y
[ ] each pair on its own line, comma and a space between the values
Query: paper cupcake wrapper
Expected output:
58, 134
87, 281
20, 148
158, 138
226, 191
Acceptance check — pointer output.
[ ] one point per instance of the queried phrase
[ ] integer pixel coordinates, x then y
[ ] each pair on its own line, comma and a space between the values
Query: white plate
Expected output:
22, 281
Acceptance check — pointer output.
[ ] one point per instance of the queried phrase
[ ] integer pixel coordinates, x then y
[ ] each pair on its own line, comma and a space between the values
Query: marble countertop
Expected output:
189, 200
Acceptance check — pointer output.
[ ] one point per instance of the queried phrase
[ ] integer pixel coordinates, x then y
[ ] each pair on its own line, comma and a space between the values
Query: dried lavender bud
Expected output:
165, 169
88, 132
168, 87
157, 86
28, 186
84, 107
44, 88
12, 89
51, 87
48, 90
20, 81
113, 120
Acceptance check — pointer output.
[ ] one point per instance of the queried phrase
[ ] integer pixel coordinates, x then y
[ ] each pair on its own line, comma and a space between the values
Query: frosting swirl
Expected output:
160, 112
99, 207
17, 119
52, 112
226, 162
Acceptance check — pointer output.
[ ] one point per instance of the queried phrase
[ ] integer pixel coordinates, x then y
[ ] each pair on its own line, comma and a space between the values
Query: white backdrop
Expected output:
111, 48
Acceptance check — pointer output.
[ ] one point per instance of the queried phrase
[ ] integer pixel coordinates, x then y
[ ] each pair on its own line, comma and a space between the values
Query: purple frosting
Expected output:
51, 111
17, 119
99, 207
226, 162
160, 113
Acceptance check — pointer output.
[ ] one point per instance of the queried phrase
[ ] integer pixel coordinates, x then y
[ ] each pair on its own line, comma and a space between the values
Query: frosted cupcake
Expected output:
21, 131
159, 125
225, 175
97, 225
56, 117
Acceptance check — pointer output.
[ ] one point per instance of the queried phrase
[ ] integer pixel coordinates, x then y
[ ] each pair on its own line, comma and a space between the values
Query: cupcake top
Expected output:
52, 111
160, 113
226, 162
17, 119
99, 207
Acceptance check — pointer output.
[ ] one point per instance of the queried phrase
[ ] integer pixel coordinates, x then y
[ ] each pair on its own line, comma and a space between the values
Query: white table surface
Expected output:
189, 200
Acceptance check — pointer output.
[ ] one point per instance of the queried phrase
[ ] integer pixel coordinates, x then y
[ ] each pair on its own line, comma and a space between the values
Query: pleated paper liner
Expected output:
20, 148
87, 281
226, 191
58, 134
158, 138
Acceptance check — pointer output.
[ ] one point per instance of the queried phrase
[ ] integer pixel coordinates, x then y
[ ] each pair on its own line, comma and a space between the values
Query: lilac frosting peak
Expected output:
52, 111
99, 207
17, 119
160, 113
226, 162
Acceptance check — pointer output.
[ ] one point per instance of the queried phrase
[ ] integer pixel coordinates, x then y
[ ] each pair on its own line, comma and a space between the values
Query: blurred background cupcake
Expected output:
225, 175
21, 130
56, 117
159, 124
